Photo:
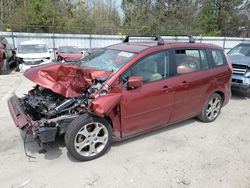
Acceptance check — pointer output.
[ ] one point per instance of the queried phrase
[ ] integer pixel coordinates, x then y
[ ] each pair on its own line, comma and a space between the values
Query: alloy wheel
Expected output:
91, 139
213, 108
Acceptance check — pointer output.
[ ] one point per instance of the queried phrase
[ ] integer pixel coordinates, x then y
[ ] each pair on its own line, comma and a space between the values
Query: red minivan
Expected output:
122, 91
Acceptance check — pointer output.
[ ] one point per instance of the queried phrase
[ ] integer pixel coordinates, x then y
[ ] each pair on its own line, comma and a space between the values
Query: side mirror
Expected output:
56, 52
135, 82
51, 50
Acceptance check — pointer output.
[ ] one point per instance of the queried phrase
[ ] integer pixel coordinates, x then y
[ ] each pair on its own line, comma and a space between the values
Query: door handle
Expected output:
164, 88
184, 83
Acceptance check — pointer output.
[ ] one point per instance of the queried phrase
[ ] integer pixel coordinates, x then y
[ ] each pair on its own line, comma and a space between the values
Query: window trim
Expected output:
190, 48
171, 74
212, 59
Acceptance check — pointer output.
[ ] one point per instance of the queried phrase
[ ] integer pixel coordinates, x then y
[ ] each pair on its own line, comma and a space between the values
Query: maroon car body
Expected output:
131, 107
69, 54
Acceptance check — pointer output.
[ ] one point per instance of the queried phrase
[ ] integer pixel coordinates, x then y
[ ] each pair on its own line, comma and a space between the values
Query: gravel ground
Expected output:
187, 154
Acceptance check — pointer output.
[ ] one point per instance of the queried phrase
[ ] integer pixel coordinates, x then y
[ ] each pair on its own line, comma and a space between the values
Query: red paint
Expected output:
67, 80
76, 56
135, 82
71, 57
147, 107
104, 104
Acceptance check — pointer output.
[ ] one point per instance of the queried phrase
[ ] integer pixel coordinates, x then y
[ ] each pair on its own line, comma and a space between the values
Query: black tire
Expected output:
211, 109
80, 132
247, 93
6, 67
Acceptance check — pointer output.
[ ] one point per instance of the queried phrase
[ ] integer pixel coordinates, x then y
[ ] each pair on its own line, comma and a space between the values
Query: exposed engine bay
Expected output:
62, 93
42, 103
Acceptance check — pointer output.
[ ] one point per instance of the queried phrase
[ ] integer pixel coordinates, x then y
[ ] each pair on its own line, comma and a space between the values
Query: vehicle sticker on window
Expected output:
125, 54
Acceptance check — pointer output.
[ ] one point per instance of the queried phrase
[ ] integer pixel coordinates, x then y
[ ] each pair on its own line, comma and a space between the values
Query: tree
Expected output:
141, 17
207, 21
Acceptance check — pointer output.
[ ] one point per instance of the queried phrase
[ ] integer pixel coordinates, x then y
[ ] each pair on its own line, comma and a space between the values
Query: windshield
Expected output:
69, 50
32, 48
108, 60
242, 50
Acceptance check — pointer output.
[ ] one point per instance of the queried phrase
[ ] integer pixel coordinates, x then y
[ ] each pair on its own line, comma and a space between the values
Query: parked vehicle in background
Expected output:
7, 56
122, 91
69, 54
240, 56
32, 53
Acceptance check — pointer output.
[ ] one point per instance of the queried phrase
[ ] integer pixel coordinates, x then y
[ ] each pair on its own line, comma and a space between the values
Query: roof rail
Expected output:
190, 37
157, 38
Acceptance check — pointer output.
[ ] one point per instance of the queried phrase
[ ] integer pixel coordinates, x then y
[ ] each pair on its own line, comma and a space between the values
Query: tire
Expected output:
88, 137
6, 67
211, 109
247, 93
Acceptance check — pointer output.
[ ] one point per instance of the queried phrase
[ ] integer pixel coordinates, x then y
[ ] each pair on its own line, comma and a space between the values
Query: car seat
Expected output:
149, 72
187, 64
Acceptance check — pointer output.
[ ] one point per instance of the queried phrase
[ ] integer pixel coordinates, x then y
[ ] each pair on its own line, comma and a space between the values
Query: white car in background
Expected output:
32, 53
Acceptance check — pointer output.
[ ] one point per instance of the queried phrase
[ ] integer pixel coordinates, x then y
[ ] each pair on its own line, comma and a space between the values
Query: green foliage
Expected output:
141, 17
206, 21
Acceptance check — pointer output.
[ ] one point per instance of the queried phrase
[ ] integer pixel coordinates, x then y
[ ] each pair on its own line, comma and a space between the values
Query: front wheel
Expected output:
88, 137
211, 109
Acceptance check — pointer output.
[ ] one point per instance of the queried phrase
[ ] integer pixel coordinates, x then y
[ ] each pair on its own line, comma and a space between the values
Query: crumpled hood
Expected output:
71, 56
240, 60
67, 80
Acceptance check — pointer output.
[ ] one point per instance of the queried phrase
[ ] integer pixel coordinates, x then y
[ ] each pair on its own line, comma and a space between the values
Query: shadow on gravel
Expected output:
50, 151
53, 150
158, 131
236, 95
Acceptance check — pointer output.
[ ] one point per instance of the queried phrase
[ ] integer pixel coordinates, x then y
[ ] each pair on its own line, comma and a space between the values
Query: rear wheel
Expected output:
88, 137
211, 109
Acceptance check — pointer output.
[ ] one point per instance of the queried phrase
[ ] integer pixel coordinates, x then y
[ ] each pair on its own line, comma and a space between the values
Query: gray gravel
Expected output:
187, 154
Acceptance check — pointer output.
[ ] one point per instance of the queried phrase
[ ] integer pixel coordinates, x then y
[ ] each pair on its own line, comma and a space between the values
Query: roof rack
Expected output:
190, 37
157, 38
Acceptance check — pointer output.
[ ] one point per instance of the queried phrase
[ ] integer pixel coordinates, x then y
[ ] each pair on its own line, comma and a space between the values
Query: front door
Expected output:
150, 105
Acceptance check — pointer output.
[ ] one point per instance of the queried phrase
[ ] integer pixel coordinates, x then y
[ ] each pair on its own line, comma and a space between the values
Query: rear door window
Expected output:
190, 60
218, 58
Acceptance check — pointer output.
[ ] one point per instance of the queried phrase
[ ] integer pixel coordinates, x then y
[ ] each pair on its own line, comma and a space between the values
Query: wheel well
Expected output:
4, 56
222, 95
109, 120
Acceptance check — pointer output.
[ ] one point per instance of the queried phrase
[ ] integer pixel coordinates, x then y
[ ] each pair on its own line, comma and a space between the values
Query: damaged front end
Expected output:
45, 114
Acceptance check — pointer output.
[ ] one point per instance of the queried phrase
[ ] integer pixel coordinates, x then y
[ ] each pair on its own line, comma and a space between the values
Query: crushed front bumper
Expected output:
241, 84
19, 117
44, 130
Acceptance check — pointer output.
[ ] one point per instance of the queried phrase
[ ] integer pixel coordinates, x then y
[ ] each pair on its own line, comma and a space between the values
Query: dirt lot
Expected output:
188, 154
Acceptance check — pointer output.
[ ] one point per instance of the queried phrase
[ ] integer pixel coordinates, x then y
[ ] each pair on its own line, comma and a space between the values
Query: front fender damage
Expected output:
104, 104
